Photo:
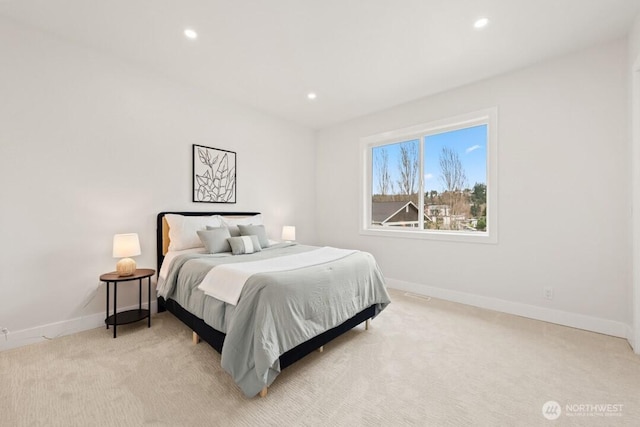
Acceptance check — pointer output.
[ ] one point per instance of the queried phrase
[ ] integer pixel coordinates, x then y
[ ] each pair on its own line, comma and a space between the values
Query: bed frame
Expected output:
216, 338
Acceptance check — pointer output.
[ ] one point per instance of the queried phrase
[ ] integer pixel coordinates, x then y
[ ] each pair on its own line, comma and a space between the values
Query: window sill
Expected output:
447, 236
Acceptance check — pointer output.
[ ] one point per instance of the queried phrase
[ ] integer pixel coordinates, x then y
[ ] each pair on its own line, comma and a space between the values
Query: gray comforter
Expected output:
276, 311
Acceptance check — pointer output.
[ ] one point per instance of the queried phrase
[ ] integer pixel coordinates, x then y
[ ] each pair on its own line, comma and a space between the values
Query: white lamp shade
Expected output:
126, 245
289, 232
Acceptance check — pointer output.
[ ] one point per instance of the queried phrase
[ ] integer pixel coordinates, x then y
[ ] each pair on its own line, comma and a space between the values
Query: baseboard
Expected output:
574, 320
59, 329
603, 326
631, 339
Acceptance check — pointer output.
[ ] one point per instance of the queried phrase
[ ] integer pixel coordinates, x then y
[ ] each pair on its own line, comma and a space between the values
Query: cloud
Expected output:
472, 148
428, 176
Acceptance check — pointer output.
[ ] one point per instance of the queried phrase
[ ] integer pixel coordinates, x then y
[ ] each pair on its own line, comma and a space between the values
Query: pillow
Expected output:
232, 223
215, 239
244, 245
183, 230
231, 234
255, 230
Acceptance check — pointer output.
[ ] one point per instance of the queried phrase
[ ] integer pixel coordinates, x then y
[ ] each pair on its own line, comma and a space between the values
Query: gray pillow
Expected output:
255, 230
234, 230
244, 245
215, 239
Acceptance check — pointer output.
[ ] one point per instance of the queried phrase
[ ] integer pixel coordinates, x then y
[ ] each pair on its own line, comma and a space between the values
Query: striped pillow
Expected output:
244, 245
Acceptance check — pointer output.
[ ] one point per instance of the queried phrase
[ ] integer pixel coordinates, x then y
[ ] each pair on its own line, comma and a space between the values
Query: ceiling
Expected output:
359, 56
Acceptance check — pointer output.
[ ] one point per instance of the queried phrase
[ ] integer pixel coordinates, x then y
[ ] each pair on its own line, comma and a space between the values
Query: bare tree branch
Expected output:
382, 171
453, 177
408, 165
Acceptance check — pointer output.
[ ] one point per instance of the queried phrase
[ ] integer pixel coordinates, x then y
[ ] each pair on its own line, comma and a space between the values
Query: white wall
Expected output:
634, 114
564, 195
91, 146
634, 39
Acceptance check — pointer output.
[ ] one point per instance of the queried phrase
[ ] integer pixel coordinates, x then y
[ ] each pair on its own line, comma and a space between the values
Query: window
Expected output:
435, 181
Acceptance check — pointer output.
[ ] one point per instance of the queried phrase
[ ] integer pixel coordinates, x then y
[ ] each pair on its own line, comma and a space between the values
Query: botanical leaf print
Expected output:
214, 182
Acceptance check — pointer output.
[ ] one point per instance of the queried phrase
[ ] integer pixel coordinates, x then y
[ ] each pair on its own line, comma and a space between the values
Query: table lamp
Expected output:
125, 246
289, 233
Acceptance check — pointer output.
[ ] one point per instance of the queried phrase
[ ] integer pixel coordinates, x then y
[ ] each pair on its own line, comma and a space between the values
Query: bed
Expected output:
290, 299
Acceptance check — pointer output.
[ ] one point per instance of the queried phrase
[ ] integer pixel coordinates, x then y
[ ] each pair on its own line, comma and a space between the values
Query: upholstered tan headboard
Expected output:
162, 231
165, 236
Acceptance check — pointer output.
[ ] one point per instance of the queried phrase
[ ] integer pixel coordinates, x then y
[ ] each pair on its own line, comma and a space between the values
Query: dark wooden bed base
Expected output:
216, 338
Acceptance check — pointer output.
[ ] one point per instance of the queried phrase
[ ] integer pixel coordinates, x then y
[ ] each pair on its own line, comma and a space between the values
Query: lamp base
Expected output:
126, 267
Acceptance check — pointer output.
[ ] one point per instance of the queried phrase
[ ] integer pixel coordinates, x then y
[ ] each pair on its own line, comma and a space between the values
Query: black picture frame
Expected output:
214, 175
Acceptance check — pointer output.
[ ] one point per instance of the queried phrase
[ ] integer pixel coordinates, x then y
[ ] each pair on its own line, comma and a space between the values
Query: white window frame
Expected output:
487, 117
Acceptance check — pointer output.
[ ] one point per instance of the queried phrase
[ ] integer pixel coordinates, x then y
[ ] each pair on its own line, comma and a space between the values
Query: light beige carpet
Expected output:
423, 362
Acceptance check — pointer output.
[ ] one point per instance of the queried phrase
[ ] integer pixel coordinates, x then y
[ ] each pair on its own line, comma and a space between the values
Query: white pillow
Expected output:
232, 223
183, 230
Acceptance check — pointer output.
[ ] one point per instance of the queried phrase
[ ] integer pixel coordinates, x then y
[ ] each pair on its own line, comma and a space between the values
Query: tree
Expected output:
408, 165
478, 198
452, 173
453, 177
430, 195
382, 171
479, 194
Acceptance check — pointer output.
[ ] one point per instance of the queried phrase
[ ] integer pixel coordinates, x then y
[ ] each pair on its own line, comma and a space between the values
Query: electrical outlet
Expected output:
547, 292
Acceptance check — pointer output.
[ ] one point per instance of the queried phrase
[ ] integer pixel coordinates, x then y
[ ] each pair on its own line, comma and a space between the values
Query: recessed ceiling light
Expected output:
481, 23
312, 95
190, 34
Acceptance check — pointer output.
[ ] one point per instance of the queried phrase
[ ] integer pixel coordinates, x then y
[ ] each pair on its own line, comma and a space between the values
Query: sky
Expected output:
469, 143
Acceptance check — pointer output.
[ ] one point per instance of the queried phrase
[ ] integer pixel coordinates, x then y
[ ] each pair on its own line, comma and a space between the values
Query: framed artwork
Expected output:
214, 175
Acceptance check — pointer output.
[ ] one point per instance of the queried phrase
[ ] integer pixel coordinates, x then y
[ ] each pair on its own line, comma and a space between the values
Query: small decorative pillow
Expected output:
215, 239
232, 223
244, 245
183, 230
255, 230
